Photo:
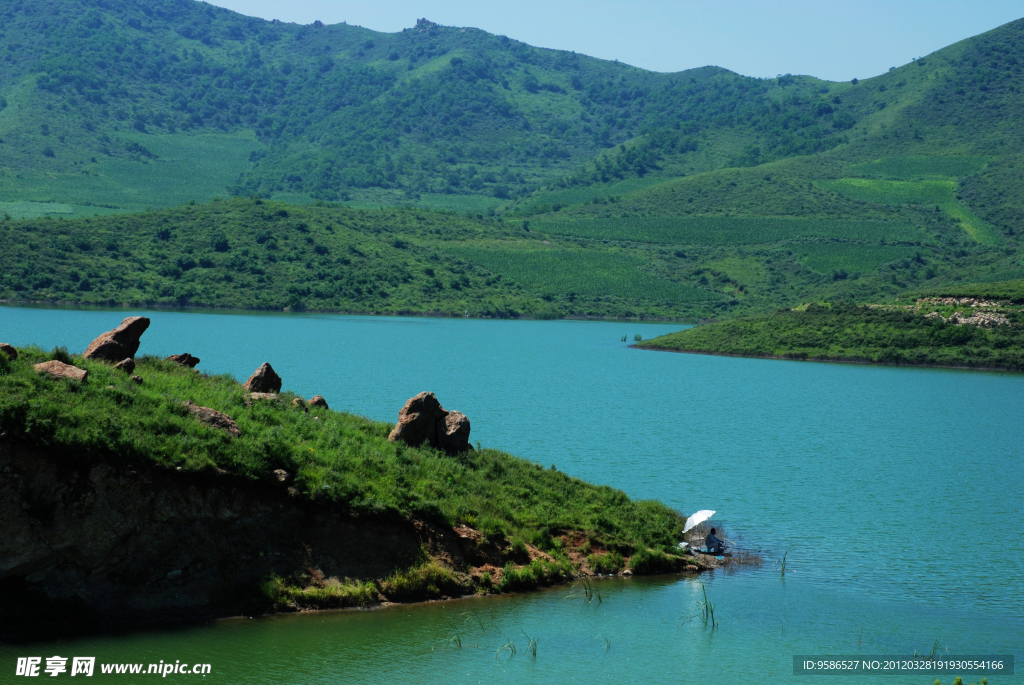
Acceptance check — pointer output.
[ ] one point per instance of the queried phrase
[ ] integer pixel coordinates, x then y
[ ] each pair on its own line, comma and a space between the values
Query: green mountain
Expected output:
589, 187
97, 92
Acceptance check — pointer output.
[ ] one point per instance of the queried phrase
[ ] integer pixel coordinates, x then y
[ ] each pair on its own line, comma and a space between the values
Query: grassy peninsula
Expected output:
541, 525
978, 326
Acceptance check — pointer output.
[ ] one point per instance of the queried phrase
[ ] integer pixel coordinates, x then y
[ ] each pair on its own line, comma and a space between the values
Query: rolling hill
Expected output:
591, 188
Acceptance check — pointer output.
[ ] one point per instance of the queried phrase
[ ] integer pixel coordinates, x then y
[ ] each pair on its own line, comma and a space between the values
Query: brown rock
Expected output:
299, 403
123, 341
137, 380
214, 418
185, 359
318, 401
127, 365
61, 370
417, 420
9, 350
424, 420
264, 396
453, 435
263, 379
280, 476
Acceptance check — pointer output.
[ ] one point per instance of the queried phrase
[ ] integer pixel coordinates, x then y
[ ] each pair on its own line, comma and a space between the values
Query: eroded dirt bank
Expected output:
101, 543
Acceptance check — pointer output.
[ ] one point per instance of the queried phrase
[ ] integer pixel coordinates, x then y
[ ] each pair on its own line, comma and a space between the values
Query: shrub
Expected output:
331, 593
429, 581
537, 572
605, 563
646, 561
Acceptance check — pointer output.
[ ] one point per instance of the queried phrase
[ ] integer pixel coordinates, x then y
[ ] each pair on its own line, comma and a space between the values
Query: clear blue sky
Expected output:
831, 39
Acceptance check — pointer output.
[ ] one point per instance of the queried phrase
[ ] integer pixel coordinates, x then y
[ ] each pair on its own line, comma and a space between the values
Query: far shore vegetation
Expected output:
973, 326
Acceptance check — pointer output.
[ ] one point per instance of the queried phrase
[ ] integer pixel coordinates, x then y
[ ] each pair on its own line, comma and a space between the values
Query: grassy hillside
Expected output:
337, 112
588, 187
338, 458
258, 254
267, 255
979, 325
341, 462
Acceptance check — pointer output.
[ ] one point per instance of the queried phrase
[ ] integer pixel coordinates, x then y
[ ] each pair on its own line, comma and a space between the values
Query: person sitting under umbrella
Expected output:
713, 544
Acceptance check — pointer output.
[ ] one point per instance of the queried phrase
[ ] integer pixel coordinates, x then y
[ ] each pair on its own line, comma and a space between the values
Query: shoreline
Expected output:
201, 309
829, 360
71, 629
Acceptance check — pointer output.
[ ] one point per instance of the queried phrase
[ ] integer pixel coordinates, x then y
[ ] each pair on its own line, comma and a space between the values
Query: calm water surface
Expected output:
898, 494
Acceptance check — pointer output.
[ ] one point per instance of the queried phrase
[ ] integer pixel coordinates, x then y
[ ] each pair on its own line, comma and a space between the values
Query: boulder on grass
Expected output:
185, 359
263, 379
123, 341
127, 365
299, 403
424, 420
261, 396
454, 435
137, 380
61, 370
9, 350
318, 401
214, 418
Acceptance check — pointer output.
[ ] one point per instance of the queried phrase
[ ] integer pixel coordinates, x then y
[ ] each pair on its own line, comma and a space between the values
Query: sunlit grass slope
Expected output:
336, 458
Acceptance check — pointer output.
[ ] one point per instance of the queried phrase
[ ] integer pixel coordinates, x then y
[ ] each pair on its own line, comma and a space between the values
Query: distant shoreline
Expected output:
830, 360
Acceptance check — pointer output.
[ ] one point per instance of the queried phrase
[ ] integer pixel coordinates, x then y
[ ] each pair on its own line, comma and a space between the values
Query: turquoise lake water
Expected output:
897, 493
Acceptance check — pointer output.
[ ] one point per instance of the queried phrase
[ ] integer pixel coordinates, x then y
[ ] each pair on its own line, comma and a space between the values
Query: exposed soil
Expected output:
101, 544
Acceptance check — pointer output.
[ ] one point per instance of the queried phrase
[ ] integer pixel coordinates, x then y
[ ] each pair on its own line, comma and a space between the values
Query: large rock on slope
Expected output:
455, 436
123, 341
9, 350
318, 401
61, 370
185, 359
424, 420
263, 379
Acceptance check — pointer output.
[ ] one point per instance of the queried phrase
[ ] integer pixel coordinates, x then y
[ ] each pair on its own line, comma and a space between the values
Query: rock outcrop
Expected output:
61, 370
127, 365
261, 397
186, 360
424, 420
137, 380
214, 418
318, 401
299, 403
9, 350
123, 341
263, 379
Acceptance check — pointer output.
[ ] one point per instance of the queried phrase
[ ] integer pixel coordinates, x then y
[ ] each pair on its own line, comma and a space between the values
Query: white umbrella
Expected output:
698, 518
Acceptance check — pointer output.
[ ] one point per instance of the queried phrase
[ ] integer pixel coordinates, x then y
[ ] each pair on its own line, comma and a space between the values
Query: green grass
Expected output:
337, 459
587, 273
933, 192
920, 168
938, 194
1012, 290
184, 168
829, 258
712, 230
544, 200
